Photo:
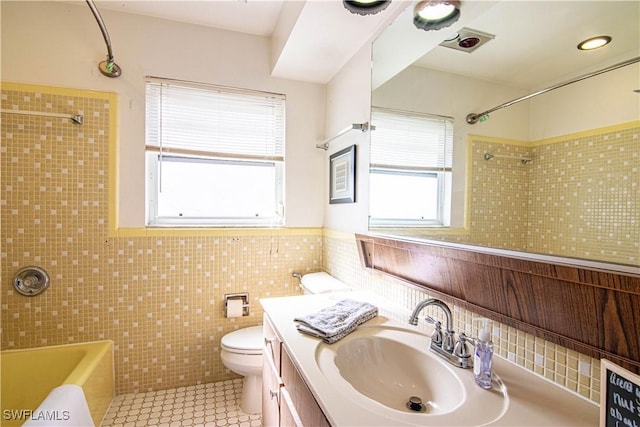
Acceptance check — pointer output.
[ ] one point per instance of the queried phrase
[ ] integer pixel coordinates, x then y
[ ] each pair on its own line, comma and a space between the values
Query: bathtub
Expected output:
29, 375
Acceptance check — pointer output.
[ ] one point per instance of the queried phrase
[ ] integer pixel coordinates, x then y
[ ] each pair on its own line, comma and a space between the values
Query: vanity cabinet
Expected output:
271, 381
286, 398
301, 397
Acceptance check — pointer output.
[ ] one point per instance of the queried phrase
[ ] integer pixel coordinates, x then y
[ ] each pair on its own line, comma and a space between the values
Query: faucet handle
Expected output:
460, 348
436, 337
447, 341
434, 321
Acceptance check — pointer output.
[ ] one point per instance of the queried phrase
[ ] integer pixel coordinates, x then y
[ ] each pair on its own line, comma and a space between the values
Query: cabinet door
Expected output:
288, 414
271, 384
271, 381
271, 342
307, 407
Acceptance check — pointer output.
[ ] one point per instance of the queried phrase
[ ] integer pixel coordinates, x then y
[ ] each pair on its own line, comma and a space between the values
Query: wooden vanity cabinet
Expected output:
286, 398
301, 397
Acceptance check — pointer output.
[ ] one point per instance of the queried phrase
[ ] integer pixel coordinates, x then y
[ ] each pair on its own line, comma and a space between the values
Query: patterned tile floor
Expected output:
208, 405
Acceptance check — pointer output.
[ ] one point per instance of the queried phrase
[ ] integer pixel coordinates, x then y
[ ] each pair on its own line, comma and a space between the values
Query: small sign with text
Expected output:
619, 396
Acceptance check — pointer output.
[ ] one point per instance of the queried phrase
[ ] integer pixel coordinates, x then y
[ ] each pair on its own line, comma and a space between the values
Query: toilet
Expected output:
241, 350
242, 353
321, 283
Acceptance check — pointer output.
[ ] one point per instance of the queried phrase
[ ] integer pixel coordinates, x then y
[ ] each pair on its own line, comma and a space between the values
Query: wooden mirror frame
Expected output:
594, 312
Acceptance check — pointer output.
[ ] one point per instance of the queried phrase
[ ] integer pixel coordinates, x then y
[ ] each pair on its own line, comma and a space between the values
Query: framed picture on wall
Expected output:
342, 176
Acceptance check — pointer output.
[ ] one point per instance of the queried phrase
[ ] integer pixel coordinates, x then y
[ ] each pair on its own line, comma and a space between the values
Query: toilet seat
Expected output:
244, 341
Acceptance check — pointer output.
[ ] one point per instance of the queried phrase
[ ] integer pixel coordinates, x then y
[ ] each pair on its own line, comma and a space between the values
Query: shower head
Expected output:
109, 68
474, 118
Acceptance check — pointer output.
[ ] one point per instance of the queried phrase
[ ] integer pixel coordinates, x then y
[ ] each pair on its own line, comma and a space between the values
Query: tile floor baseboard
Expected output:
207, 405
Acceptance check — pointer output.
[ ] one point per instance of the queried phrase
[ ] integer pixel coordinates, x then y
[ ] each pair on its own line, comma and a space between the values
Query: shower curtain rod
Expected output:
473, 118
76, 118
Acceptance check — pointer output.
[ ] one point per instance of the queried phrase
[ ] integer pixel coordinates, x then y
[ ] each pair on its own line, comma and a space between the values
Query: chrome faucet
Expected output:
442, 343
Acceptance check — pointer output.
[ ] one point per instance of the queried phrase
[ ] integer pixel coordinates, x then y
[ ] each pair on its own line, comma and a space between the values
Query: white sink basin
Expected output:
378, 368
390, 372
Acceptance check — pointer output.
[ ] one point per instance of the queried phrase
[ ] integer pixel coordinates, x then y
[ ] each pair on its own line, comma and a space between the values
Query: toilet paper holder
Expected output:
241, 296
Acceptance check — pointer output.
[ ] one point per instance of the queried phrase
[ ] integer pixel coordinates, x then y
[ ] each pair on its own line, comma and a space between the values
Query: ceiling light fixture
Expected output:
365, 7
435, 14
594, 43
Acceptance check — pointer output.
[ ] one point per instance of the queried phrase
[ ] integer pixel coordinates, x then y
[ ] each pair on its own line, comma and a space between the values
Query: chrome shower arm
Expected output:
105, 33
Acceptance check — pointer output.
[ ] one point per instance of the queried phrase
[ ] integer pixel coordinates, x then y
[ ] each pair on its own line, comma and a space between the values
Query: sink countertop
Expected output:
533, 400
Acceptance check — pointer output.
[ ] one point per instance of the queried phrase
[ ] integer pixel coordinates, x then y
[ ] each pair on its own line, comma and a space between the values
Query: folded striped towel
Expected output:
336, 322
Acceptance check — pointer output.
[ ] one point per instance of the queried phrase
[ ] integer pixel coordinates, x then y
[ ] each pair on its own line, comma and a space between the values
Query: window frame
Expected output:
153, 182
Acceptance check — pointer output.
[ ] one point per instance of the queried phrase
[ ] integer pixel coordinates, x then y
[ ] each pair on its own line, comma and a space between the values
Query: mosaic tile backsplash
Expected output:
160, 299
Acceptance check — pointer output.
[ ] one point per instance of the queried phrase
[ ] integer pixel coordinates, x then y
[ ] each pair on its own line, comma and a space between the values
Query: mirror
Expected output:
556, 174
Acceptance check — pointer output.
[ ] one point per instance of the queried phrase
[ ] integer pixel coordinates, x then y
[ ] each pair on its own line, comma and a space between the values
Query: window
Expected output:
410, 170
215, 155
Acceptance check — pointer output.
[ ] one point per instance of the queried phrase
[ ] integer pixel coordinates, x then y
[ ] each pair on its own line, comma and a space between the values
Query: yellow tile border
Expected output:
208, 231
587, 133
55, 90
555, 139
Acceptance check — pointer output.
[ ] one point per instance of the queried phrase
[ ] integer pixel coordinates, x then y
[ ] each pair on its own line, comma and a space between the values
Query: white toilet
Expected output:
242, 349
242, 353
322, 283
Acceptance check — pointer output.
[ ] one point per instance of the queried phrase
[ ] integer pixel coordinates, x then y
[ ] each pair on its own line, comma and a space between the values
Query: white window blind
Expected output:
214, 155
411, 141
190, 118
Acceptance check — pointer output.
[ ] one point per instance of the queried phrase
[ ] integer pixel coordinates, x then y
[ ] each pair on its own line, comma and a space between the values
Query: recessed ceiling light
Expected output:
435, 14
594, 43
365, 7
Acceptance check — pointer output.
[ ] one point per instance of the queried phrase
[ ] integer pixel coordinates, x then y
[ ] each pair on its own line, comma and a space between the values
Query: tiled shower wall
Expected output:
578, 197
160, 299
585, 197
574, 371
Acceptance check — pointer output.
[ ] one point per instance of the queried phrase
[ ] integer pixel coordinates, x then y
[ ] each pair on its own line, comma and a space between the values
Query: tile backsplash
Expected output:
160, 299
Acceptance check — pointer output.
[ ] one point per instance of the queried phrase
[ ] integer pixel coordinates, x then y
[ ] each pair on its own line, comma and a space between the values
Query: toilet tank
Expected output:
321, 283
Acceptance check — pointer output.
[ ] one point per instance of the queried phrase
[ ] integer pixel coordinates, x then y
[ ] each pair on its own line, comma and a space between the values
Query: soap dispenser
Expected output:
483, 358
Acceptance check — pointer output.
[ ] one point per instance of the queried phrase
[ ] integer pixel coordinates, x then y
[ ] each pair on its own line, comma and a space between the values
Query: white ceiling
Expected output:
257, 17
534, 44
311, 39
536, 41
